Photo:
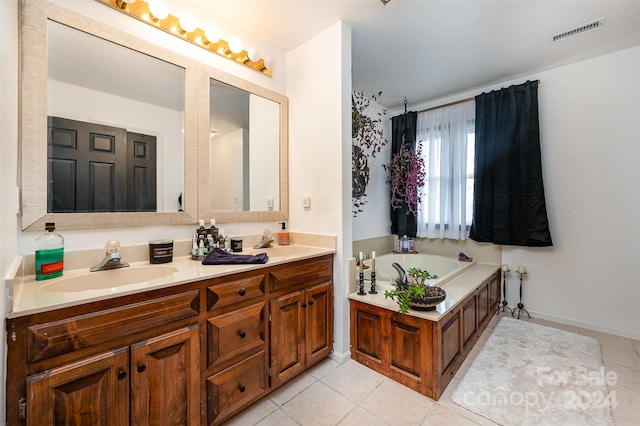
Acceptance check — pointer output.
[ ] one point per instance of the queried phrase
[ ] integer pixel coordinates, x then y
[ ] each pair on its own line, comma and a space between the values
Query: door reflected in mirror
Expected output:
115, 127
244, 163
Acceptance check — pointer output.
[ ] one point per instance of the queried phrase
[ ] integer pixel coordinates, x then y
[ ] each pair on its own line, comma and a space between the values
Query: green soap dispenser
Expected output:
49, 253
283, 235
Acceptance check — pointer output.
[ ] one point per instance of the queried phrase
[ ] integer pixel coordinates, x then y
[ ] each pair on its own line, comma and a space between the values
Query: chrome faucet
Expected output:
266, 240
402, 274
112, 258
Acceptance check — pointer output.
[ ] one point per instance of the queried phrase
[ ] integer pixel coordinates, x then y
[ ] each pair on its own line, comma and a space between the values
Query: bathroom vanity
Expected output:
194, 351
424, 350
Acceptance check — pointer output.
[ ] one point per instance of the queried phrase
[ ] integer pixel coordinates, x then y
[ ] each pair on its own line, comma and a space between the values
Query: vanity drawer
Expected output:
302, 274
234, 335
69, 334
236, 387
220, 296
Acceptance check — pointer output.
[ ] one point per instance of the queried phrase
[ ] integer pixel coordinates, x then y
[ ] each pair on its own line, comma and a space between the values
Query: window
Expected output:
447, 136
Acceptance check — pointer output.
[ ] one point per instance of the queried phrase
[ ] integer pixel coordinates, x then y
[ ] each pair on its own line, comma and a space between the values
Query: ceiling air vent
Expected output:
593, 25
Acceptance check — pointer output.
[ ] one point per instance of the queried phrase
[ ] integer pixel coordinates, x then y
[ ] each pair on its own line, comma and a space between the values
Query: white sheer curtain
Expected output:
448, 144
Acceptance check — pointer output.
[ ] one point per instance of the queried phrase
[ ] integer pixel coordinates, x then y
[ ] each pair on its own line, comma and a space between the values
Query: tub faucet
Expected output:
402, 274
266, 240
112, 258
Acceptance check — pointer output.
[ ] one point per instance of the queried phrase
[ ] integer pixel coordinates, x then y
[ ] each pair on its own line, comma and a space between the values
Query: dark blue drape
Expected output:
403, 125
509, 205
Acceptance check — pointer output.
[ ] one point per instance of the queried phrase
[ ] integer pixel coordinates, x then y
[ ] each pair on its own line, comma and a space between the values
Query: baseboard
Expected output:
631, 334
340, 358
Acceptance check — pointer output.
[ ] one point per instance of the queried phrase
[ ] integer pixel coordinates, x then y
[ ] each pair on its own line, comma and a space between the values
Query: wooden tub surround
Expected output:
192, 353
424, 350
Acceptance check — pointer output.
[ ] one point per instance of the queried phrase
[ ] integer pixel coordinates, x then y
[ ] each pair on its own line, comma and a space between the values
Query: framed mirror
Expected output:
108, 125
243, 150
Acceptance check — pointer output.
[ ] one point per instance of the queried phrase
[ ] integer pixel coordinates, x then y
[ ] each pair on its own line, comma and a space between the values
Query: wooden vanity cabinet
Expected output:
301, 318
191, 354
106, 363
419, 353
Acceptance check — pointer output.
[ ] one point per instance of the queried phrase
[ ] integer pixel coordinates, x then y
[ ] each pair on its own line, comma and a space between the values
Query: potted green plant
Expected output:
414, 292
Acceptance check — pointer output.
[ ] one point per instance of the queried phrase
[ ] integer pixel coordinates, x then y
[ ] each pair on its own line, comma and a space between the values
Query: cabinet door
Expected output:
165, 381
319, 322
366, 334
483, 303
287, 336
94, 391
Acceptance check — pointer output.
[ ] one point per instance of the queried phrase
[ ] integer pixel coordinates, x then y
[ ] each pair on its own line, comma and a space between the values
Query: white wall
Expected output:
319, 88
589, 130
9, 227
230, 147
264, 155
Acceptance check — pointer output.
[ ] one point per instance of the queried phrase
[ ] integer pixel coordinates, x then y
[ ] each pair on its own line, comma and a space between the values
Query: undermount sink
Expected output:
107, 279
276, 251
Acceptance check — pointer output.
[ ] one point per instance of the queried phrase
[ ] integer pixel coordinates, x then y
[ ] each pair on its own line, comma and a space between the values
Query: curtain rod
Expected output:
451, 103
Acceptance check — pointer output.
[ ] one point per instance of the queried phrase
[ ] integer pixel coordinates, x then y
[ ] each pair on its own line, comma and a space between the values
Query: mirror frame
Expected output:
204, 185
34, 16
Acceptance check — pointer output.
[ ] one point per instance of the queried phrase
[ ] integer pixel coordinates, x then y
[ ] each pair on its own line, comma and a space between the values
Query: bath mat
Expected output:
530, 374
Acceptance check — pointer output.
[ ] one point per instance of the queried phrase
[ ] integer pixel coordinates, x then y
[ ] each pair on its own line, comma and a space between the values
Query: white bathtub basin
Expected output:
107, 279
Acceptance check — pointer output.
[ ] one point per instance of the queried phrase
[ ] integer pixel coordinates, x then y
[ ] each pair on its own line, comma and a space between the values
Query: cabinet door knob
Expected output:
141, 367
241, 292
241, 388
310, 302
304, 305
242, 334
122, 374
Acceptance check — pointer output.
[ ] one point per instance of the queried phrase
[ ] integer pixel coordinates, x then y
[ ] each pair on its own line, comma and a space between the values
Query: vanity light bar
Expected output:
171, 24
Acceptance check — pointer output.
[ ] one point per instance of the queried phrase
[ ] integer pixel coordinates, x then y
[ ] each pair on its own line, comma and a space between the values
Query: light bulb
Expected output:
235, 45
188, 22
212, 34
159, 10
253, 54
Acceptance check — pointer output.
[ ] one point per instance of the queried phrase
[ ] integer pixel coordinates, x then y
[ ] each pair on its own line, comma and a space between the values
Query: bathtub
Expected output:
443, 268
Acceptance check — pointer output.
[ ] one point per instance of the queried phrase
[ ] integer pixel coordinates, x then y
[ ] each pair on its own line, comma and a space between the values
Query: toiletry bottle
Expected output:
49, 253
212, 229
411, 246
283, 235
405, 243
221, 239
201, 229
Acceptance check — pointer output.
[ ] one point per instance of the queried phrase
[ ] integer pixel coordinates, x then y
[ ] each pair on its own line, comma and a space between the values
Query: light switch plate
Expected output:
306, 202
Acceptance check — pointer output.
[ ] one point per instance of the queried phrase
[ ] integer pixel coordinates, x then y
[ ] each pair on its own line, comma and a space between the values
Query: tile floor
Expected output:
350, 394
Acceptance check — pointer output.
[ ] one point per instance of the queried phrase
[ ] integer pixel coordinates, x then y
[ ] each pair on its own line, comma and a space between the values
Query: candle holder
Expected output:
502, 306
361, 291
373, 283
520, 307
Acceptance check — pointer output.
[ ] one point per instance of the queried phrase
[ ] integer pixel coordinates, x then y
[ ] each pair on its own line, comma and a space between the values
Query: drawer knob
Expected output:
241, 388
241, 292
242, 334
122, 374
141, 367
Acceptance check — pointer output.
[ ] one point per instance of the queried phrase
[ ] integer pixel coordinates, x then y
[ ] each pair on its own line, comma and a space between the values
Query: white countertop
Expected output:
31, 296
457, 290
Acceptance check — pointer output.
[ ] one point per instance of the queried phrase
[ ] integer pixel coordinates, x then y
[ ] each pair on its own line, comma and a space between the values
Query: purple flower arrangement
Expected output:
406, 177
